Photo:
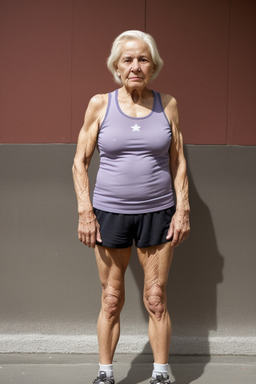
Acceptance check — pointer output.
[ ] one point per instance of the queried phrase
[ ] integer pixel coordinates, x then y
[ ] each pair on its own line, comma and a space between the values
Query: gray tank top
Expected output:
134, 172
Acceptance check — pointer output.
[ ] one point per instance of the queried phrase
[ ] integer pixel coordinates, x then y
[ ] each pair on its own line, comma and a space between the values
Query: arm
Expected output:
88, 228
180, 226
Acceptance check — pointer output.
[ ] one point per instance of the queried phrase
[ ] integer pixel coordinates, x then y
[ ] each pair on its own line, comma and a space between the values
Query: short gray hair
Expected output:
133, 35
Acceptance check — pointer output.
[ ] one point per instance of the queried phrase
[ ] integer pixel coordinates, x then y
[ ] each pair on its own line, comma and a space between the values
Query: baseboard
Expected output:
41, 343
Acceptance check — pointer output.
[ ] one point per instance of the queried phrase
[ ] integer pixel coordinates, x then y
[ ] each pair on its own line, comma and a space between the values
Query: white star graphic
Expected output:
135, 128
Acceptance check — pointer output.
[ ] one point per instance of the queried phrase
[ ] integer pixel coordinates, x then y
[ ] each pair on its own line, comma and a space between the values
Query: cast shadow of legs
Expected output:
192, 296
192, 300
141, 367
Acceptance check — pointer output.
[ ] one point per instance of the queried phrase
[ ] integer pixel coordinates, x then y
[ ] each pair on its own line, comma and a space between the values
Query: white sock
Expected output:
159, 369
108, 368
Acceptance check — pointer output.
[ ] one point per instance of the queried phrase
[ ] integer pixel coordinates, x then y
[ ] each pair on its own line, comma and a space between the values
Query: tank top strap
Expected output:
158, 106
113, 106
110, 102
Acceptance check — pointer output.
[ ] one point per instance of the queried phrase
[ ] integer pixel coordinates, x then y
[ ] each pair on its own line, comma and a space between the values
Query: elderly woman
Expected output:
140, 196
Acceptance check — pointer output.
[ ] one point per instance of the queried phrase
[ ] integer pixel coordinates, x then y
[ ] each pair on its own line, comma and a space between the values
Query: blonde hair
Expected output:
133, 35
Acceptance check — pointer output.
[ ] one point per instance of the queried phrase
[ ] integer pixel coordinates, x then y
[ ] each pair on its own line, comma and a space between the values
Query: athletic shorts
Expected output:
119, 230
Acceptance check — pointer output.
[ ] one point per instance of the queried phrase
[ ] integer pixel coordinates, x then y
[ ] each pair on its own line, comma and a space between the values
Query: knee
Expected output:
113, 300
154, 299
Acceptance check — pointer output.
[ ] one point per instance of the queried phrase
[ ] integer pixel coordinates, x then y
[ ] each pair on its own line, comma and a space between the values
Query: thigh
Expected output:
156, 262
153, 227
112, 264
115, 229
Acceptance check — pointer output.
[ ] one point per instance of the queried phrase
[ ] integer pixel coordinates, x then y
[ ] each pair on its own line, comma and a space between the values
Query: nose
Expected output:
135, 66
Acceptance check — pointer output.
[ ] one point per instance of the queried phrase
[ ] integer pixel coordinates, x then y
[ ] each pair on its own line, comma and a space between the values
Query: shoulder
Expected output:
97, 102
97, 107
170, 106
169, 101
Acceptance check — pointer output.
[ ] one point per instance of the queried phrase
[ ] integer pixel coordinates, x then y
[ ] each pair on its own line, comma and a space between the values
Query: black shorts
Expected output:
118, 230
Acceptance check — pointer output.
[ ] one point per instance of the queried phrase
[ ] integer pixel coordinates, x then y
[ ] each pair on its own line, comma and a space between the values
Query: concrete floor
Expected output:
129, 369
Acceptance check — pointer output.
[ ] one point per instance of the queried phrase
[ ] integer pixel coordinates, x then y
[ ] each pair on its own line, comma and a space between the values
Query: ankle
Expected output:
159, 369
108, 368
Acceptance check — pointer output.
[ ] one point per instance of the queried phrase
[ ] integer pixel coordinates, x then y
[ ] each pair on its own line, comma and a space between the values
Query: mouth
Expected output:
135, 78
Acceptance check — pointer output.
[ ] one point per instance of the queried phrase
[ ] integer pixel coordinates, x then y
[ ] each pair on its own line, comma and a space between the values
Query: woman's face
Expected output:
135, 66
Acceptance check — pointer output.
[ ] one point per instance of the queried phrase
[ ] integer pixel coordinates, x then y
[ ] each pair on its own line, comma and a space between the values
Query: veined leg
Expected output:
112, 264
156, 263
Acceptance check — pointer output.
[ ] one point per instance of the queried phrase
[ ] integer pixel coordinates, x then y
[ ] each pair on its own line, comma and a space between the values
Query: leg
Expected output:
112, 264
156, 263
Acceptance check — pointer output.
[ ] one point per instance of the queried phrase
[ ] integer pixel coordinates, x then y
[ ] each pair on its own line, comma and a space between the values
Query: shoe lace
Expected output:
161, 380
101, 379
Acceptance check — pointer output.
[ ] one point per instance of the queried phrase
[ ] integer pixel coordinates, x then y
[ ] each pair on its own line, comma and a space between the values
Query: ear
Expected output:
116, 68
153, 70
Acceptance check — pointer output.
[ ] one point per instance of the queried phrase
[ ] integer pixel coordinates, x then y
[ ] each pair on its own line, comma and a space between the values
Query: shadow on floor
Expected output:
177, 368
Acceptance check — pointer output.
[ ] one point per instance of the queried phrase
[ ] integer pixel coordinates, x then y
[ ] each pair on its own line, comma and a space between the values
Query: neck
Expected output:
135, 94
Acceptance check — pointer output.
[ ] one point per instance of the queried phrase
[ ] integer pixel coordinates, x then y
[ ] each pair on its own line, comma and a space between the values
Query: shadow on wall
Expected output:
192, 290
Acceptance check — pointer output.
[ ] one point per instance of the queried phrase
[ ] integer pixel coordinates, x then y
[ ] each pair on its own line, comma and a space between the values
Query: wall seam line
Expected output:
145, 16
71, 71
228, 133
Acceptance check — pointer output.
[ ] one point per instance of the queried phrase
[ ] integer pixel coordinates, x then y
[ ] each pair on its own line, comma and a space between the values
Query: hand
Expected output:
179, 228
88, 229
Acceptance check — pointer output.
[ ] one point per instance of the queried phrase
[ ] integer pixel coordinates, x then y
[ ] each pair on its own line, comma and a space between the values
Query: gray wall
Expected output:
49, 289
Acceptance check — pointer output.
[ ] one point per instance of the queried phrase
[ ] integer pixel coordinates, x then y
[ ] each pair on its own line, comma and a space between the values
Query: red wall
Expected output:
53, 55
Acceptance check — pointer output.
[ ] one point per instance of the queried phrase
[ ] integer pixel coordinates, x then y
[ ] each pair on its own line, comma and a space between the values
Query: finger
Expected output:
181, 237
180, 240
175, 240
87, 240
92, 240
184, 236
79, 234
98, 235
170, 232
